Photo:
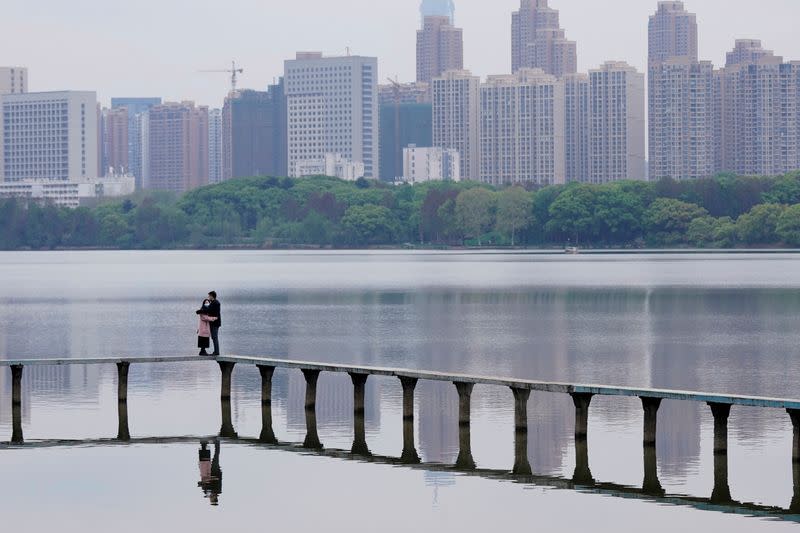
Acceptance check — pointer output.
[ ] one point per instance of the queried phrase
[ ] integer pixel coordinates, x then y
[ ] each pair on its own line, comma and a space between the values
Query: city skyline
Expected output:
156, 67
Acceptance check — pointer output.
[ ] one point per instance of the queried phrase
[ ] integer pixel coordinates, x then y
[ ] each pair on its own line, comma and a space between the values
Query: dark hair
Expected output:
213, 294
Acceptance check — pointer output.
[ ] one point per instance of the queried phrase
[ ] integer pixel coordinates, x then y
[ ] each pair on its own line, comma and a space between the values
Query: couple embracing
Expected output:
210, 315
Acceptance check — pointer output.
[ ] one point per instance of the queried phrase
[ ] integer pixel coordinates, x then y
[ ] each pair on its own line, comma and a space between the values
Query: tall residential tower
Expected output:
537, 40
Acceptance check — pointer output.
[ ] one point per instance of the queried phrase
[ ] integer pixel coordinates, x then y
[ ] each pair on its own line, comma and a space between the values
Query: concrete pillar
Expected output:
360, 436
651, 406
16, 424
721, 412
521, 397
122, 381
311, 388
123, 431
581, 401
464, 461
266, 383
409, 384
651, 484
227, 430
795, 416
522, 465
582, 474
312, 441
722, 491
16, 384
359, 391
227, 373
464, 398
794, 507
410, 455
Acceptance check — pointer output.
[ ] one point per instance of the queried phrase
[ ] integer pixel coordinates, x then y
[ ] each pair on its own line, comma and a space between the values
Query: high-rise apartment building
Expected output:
682, 114
576, 127
456, 115
522, 129
13, 80
672, 32
440, 47
332, 106
681, 98
115, 142
137, 108
759, 124
616, 123
214, 145
537, 40
254, 133
49, 136
177, 147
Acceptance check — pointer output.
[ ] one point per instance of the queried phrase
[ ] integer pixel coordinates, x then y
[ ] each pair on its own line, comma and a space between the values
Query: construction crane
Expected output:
233, 71
398, 149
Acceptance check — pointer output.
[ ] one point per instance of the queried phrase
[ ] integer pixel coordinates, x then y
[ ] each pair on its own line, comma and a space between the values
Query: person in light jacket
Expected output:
204, 327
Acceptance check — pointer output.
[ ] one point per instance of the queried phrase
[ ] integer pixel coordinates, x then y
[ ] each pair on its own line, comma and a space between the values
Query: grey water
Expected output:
724, 323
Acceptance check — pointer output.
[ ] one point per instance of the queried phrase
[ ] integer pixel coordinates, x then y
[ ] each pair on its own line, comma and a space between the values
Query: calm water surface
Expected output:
721, 323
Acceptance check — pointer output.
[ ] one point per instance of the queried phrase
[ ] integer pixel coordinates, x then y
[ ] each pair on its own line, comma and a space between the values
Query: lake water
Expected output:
716, 323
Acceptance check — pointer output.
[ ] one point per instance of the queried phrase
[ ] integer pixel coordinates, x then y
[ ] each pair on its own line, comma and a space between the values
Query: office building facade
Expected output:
332, 106
137, 109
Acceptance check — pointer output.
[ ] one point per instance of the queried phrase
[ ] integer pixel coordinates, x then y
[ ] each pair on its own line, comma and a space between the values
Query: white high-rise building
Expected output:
214, 145
522, 129
759, 99
537, 40
332, 107
421, 164
617, 118
49, 136
456, 103
13, 80
672, 32
576, 126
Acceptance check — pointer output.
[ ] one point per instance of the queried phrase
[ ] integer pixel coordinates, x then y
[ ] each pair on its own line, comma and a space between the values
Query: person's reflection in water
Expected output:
210, 472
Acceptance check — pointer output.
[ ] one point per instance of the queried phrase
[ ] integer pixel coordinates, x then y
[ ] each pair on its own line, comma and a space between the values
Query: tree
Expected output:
514, 211
667, 220
789, 225
760, 225
572, 213
369, 224
618, 215
474, 212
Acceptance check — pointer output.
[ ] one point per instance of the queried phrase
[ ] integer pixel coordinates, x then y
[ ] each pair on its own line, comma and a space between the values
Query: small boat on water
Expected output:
572, 250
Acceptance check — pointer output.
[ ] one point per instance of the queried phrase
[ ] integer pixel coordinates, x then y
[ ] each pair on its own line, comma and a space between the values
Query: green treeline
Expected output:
722, 212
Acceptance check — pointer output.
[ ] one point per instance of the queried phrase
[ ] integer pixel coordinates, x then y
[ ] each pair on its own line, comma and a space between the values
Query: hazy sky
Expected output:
156, 47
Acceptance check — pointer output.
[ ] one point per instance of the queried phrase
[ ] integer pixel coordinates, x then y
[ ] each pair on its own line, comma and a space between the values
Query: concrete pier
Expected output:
359, 391
16, 424
722, 491
227, 377
464, 401
16, 384
360, 446
521, 397
408, 384
651, 484
650, 406
465, 461
581, 401
311, 377
312, 441
721, 412
267, 435
227, 430
795, 505
522, 465
409, 454
123, 431
794, 414
582, 474
122, 381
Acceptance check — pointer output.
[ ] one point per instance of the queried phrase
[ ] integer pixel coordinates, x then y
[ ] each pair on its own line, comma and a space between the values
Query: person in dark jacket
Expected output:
215, 311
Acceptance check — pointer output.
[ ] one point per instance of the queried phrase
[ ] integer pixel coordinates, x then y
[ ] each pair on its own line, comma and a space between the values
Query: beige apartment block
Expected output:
576, 126
115, 141
522, 129
456, 103
537, 40
177, 147
440, 47
617, 123
672, 32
